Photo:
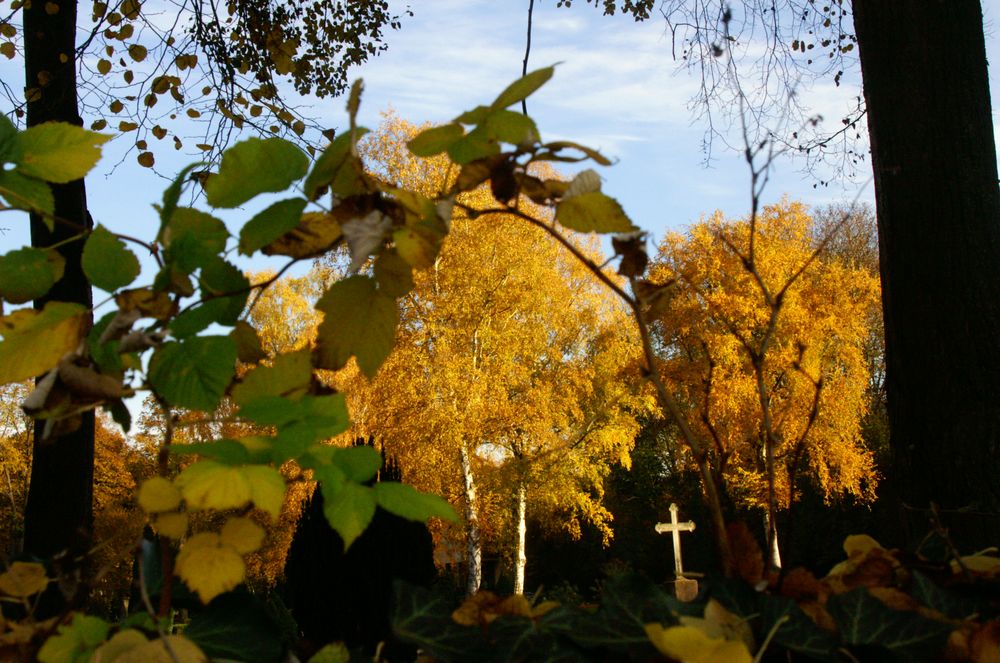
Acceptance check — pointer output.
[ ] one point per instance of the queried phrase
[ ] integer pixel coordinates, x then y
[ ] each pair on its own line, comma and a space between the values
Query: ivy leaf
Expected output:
35, 341
236, 627
108, 264
349, 510
798, 632
435, 140
269, 225
57, 152
255, 166
29, 273
864, 620
593, 212
408, 502
522, 88
358, 321
28, 193
194, 373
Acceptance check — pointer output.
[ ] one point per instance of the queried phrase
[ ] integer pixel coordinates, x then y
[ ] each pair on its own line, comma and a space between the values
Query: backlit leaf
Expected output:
23, 579
108, 264
270, 224
358, 321
193, 238
288, 375
408, 502
211, 485
393, 274
511, 127
358, 463
252, 167
267, 488
35, 341
28, 273
315, 234
27, 193
690, 645
338, 167
243, 534
349, 510
435, 140
194, 373
159, 494
248, 347
593, 212
523, 87
208, 566
58, 152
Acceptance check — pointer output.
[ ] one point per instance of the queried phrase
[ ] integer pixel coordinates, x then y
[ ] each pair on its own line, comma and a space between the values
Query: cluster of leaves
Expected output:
878, 604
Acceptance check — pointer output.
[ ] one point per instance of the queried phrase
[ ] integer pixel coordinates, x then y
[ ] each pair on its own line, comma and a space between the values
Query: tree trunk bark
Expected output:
520, 556
59, 509
474, 552
924, 68
773, 550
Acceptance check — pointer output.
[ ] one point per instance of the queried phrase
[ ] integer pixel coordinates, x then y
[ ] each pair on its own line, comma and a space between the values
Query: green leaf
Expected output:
226, 451
57, 152
28, 273
27, 193
319, 417
423, 619
288, 375
358, 321
435, 140
474, 116
248, 347
864, 620
338, 167
194, 373
593, 212
198, 318
271, 224
408, 502
359, 464
938, 598
418, 245
511, 127
335, 652
227, 284
255, 166
193, 239
393, 274
8, 139
236, 626
798, 632
35, 341
523, 87
74, 641
349, 510
593, 154
106, 356
171, 196
474, 145
108, 264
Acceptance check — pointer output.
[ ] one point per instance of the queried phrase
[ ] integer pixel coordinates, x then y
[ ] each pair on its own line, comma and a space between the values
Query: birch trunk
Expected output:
520, 557
474, 552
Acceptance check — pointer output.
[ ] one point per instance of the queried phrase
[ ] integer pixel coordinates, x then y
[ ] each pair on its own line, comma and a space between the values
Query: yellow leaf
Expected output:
242, 534
985, 564
267, 488
119, 644
181, 650
23, 579
34, 342
689, 645
859, 545
211, 485
171, 525
208, 567
159, 494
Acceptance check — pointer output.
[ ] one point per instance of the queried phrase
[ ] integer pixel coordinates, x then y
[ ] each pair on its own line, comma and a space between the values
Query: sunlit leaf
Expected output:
511, 127
593, 212
349, 510
408, 502
270, 224
288, 375
171, 525
315, 234
358, 321
194, 373
193, 238
252, 167
58, 152
208, 566
358, 463
208, 484
159, 494
267, 488
242, 534
28, 273
338, 167
35, 341
523, 87
107, 262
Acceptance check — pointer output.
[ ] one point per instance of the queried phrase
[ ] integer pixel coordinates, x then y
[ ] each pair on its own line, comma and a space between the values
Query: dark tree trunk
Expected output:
59, 510
923, 64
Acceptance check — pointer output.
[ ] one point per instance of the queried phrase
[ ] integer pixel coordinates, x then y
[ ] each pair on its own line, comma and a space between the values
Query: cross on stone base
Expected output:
685, 588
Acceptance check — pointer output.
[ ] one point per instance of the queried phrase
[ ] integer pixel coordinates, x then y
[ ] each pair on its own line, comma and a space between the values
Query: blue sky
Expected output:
618, 89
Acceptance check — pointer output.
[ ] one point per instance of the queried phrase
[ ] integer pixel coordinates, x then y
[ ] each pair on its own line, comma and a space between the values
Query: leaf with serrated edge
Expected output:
358, 321
408, 502
57, 152
593, 212
349, 510
270, 224
288, 375
107, 262
211, 485
29, 273
252, 167
267, 488
35, 341
209, 567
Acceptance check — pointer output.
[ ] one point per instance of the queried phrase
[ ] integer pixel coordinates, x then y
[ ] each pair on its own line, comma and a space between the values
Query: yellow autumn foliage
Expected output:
713, 317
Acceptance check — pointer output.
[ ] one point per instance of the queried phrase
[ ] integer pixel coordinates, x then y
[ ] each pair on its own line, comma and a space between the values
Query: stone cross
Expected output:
675, 528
